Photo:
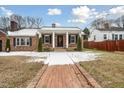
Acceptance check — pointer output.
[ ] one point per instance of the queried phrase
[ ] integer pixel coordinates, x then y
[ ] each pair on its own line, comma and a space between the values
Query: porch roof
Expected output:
60, 30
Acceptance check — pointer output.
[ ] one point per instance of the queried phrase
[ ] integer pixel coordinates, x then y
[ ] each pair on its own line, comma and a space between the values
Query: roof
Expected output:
23, 32
112, 29
58, 29
3, 32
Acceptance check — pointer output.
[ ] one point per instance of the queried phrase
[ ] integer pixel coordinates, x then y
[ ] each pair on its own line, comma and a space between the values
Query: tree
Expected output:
4, 23
38, 22
19, 19
40, 47
32, 22
79, 44
8, 45
87, 33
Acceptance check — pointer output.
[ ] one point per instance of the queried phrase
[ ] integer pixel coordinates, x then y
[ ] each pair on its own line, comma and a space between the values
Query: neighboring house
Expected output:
2, 40
98, 35
53, 37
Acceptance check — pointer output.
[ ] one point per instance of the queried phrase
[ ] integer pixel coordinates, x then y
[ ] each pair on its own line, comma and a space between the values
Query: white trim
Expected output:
74, 39
66, 39
45, 39
53, 39
25, 39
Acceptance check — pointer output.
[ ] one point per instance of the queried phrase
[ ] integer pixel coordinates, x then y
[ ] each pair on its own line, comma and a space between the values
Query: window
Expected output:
73, 39
17, 41
28, 41
120, 37
94, 37
113, 37
105, 36
46, 38
22, 41
116, 37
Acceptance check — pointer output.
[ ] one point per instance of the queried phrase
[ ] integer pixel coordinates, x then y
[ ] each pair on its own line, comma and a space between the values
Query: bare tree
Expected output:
33, 22
4, 23
38, 22
19, 19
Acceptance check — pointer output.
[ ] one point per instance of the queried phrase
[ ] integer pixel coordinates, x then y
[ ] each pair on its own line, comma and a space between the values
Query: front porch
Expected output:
59, 40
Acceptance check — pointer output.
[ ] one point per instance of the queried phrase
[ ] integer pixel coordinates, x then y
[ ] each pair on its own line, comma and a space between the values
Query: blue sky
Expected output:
63, 15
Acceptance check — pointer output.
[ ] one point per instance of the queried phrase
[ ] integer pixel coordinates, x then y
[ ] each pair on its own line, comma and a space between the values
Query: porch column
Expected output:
66, 39
53, 40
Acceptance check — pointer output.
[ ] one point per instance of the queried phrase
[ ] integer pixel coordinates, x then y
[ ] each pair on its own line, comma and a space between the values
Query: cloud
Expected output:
5, 11
81, 14
58, 24
117, 10
54, 11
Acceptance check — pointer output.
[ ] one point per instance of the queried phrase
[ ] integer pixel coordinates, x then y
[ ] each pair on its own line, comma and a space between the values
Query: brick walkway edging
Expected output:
35, 80
88, 77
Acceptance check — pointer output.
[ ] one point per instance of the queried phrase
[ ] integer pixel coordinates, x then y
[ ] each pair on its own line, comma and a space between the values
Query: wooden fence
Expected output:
108, 45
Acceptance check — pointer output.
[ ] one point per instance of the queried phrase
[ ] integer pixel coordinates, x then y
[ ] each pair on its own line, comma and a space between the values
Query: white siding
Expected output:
100, 35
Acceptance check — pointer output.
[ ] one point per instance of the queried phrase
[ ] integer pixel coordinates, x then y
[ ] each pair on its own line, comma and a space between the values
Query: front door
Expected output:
60, 41
0, 45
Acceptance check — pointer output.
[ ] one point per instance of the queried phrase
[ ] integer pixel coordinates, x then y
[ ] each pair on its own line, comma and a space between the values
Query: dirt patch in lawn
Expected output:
108, 70
16, 72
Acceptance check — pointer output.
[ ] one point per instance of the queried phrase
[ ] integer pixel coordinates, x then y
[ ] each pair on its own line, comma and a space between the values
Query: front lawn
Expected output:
107, 70
15, 72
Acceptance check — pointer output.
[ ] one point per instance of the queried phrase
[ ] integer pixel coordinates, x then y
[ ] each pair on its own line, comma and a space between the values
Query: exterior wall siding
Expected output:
33, 47
3, 38
100, 35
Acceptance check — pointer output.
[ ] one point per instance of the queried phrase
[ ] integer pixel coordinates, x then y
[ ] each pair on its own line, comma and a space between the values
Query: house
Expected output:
62, 37
52, 37
113, 33
2, 40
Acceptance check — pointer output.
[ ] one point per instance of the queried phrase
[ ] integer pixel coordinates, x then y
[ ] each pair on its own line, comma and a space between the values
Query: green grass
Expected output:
107, 70
15, 72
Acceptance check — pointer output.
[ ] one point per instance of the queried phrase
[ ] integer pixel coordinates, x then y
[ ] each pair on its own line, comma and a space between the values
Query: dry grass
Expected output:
108, 70
15, 72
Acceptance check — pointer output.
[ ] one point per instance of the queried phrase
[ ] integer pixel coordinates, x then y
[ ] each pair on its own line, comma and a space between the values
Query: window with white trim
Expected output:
46, 38
120, 37
105, 37
116, 36
73, 39
22, 41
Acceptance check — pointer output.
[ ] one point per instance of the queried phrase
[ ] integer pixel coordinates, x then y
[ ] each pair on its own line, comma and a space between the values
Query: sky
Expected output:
64, 15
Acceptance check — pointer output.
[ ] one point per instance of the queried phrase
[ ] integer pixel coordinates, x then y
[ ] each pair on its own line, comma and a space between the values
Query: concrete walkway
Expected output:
58, 58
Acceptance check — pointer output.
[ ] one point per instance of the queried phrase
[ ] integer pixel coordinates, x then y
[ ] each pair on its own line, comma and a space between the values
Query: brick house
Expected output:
2, 40
53, 37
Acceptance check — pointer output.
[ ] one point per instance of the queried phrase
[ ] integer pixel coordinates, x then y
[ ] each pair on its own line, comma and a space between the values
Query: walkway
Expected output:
63, 72
58, 58
62, 76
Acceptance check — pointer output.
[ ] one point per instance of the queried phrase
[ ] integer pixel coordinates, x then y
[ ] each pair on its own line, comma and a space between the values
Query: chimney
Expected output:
13, 26
106, 26
53, 25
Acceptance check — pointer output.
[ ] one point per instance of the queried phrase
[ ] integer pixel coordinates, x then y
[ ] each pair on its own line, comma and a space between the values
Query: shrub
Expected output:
40, 45
79, 44
8, 45
47, 49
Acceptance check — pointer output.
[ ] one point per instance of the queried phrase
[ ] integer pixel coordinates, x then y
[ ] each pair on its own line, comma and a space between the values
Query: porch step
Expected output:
60, 49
